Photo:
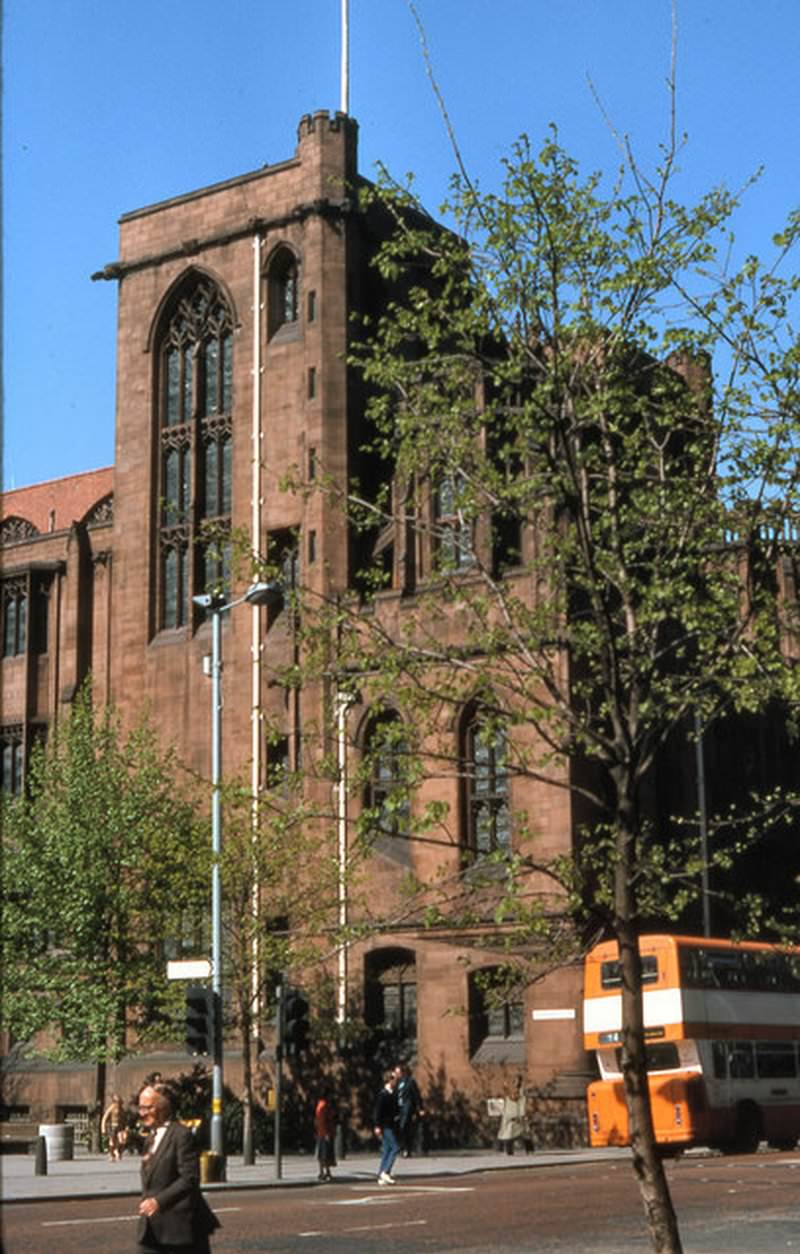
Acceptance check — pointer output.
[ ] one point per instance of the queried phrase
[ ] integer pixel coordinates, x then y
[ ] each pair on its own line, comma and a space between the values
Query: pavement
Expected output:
92, 1175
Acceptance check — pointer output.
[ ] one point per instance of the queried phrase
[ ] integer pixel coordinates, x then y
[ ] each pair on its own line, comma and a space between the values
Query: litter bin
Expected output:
60, 1141
212, 1167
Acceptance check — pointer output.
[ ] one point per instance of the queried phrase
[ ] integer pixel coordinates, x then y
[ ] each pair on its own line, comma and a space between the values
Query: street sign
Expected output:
189, 969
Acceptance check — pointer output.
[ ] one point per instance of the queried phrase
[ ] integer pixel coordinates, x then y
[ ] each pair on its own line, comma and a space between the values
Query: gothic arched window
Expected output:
386, 798
23, 609
283, 290
452, 528
390, 993
487, 811
15, 616
195, 447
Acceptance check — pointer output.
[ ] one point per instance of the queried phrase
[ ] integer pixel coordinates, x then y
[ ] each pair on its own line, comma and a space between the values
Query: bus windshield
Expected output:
661, 1057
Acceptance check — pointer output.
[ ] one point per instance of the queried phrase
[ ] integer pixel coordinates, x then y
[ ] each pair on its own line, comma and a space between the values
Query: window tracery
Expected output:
195, 450
15, 616
454, 531
386, 793
486, 786
101, 512
15, 530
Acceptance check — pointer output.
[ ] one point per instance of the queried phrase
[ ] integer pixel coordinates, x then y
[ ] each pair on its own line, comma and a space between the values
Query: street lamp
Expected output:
214, 603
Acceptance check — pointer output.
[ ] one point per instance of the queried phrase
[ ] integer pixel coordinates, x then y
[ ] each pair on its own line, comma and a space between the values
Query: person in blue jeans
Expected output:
385, 1122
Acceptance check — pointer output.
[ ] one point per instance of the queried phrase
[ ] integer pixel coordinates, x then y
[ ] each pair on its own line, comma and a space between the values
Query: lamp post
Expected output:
257, 594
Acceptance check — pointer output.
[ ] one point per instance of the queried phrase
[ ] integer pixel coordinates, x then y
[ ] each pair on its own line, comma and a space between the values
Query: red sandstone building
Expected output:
234, 311
235, 306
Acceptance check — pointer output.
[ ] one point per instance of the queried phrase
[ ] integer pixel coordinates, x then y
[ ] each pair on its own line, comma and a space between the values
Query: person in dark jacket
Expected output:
174, 1217
409, 1108
385, 1122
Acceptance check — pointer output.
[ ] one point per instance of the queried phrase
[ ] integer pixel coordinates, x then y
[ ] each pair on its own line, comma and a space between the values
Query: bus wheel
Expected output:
748, 1129
783, 1143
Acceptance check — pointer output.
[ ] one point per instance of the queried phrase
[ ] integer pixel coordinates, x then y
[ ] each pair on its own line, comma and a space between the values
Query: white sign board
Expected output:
189, 969
553, 1014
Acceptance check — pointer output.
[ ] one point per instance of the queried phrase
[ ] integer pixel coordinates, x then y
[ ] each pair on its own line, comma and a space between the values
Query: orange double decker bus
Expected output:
722, 1031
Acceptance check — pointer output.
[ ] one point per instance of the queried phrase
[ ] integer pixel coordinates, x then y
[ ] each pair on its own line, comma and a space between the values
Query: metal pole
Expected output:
217, 1127
343, 701
703, 817
255, 625
257, 594
279, 1083
344, 104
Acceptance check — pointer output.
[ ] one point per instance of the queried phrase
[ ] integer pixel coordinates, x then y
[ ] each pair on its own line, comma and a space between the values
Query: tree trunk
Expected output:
248, 1145
99, 1105
647, 1163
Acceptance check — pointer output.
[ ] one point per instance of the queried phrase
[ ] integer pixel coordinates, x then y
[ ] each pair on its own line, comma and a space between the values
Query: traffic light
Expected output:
295, 1023
199, 1019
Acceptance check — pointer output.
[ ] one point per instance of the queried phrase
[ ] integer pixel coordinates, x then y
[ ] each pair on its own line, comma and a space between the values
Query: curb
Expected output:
528, 1163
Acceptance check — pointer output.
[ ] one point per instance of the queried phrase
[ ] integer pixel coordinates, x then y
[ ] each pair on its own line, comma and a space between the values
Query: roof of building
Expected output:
56, 503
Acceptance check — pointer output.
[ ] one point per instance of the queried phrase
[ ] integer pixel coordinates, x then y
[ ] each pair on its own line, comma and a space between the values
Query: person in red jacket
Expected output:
325, 1131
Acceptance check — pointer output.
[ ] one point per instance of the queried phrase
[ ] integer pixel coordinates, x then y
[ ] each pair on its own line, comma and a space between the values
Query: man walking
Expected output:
174, 1217
385, 1121
409, 1108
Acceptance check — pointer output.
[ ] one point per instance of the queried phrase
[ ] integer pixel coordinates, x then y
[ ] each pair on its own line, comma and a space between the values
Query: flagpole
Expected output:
344, 104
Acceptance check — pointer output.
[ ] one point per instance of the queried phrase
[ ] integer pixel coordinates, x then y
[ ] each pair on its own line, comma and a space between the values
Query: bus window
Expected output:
742, 1063
776, 1060
769, 971
772, 972
611, 972
712, 968
663, 1057
719, 1054
727, 970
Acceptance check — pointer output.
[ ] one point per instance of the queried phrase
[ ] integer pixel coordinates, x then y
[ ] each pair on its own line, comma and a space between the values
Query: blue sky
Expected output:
113, 104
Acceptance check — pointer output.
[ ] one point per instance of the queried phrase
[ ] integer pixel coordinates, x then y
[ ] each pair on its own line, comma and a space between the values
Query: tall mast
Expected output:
344, 104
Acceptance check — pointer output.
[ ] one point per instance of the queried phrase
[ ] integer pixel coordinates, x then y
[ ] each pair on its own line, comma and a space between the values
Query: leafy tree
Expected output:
282, 883
586, 430
101, 870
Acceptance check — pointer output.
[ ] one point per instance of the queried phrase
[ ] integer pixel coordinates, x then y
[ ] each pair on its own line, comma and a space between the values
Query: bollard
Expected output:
338, 1143
40, 1159
212, 1168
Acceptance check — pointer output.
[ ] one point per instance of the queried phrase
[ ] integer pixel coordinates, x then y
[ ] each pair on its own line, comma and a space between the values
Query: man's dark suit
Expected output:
171, 1175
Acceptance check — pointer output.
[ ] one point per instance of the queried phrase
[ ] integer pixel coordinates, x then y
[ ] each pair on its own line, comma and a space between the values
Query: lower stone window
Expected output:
496, 1023
12, 759
390, 994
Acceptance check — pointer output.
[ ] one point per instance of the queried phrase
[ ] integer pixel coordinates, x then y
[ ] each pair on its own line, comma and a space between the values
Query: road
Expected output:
736, 1205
